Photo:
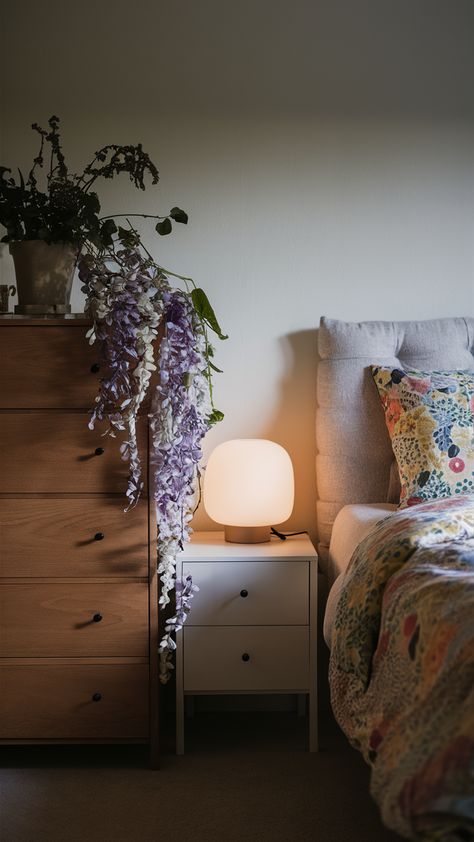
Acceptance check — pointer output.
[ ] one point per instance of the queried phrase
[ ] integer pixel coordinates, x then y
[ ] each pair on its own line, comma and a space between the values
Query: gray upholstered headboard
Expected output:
354, 454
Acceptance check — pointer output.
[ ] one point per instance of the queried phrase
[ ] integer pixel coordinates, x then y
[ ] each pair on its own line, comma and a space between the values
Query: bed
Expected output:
400, 613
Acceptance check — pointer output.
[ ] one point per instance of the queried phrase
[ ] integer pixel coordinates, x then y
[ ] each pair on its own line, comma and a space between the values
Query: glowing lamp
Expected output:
248, 487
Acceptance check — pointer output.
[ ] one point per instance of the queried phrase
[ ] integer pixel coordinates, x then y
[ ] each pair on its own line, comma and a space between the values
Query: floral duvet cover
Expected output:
402, 667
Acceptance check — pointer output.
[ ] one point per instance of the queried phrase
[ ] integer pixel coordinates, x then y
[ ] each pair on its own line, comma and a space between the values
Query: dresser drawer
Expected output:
57, 620
55, 452
55, 537
51, 367
47, 367
249, 593
56, 702
278, 659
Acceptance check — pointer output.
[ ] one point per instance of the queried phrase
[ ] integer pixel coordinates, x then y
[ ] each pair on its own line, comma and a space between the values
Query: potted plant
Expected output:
141, 322
49, 224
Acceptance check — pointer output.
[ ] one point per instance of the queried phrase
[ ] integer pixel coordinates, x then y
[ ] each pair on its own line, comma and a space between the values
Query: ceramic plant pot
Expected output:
44, 276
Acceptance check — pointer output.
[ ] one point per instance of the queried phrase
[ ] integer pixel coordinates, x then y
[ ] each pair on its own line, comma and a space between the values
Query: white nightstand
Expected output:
253, 625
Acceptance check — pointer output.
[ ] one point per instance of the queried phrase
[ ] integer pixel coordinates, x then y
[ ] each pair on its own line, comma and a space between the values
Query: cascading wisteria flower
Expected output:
126, 309
130, 301
179, 419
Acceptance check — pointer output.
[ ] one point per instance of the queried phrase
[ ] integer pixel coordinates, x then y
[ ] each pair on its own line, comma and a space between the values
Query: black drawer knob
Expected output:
96, 697
243, 593
246, 657
99, 451
97, 618
95, 367
99, 536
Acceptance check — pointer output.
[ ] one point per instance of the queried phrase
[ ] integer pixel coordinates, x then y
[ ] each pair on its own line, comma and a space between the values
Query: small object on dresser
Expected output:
5, 291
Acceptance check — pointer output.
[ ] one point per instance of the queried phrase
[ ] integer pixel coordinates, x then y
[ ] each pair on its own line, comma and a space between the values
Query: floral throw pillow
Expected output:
430, 418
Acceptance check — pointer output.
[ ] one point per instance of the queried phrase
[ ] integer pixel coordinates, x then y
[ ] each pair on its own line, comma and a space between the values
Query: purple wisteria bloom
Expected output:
179, 419
122, 299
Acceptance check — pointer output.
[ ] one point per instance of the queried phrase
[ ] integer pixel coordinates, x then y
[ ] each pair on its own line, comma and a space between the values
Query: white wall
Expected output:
324, 152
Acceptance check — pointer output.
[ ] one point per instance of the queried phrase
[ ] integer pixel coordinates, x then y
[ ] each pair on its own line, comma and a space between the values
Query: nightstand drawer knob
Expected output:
99, 536
95, 367
99, 451
97, 618
97, 697
246, 657
243, 593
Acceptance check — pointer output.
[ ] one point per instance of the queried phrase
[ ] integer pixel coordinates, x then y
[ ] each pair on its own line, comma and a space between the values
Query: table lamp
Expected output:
248, 486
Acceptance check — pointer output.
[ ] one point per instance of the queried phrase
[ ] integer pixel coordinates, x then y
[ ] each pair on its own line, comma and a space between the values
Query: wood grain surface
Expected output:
47, 367
57, 499
56, 537
55, 452
54, 619
55, 701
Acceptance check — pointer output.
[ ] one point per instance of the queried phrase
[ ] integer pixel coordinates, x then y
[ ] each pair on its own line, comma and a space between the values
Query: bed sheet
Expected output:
351, 526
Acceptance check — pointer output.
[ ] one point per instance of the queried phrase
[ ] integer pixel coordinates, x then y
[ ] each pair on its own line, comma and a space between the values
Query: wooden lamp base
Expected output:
247, 534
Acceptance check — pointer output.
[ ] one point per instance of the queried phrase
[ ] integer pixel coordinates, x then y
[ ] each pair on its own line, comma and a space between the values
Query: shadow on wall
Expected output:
293, 424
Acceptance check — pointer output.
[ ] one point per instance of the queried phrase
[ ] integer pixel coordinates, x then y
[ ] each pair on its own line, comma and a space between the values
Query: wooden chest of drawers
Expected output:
78, 585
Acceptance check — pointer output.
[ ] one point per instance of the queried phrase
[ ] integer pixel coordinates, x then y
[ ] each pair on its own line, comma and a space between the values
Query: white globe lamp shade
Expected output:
248, 487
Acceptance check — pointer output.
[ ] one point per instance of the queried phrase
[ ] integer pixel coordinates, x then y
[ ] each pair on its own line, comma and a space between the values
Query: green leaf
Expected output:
96, 240
91, 202
215, 416
205, 311
214, 367
179, 215
164, 227
128, 238
108, 229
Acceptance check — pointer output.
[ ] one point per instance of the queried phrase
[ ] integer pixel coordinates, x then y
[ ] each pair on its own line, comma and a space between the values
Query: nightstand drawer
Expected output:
215, 659
73, 620
249, 593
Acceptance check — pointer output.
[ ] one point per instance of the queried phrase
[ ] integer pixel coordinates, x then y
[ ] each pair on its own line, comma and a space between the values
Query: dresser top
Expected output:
211, 546
9, 319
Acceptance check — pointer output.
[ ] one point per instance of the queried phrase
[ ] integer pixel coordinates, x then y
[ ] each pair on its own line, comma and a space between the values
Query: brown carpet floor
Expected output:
244, 777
